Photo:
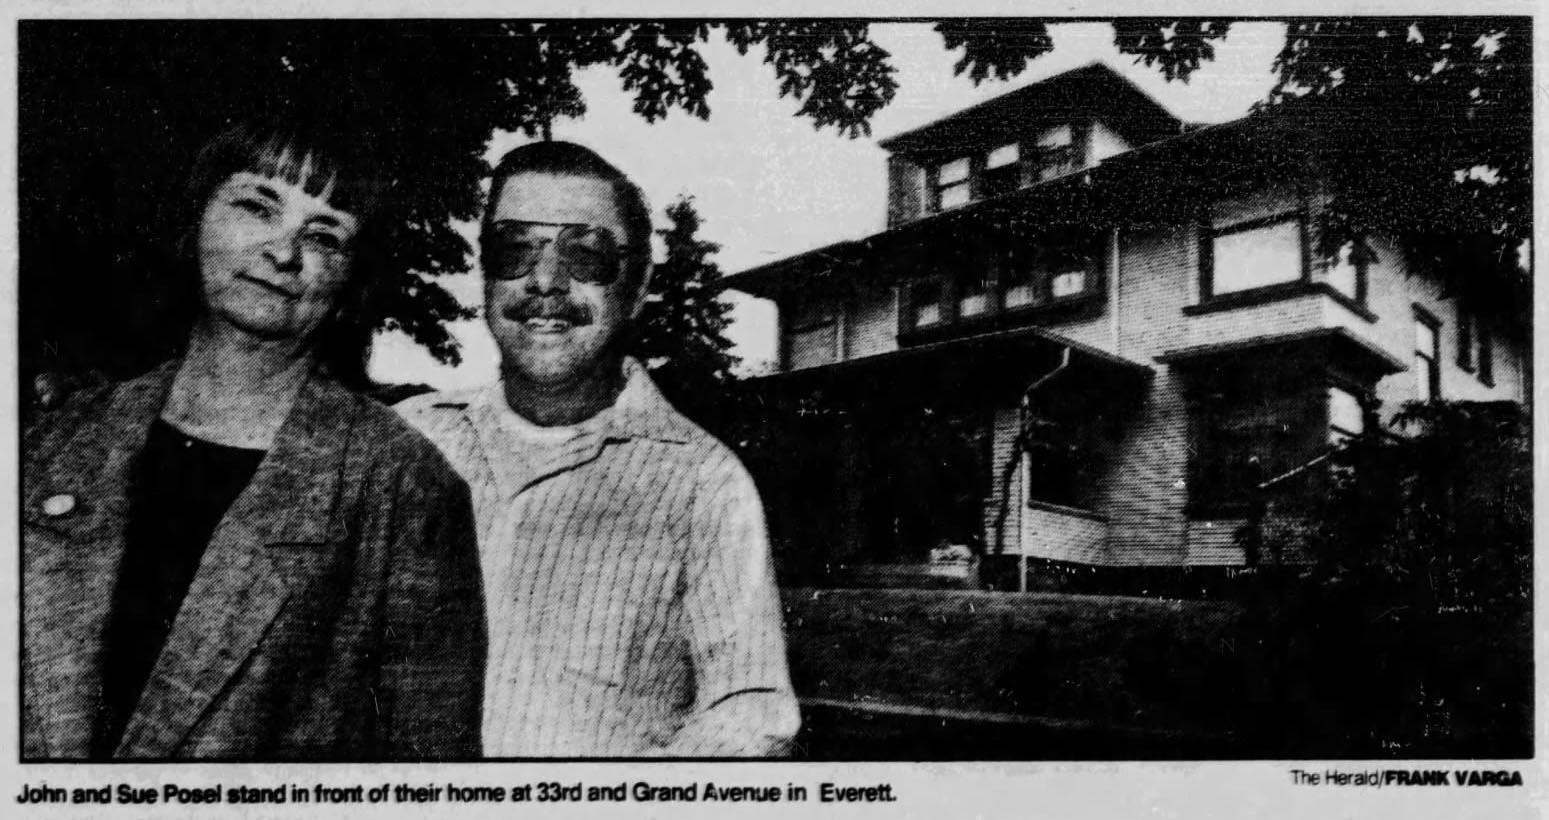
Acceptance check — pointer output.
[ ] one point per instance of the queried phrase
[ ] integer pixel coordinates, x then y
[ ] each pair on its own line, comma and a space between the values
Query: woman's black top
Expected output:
181, 489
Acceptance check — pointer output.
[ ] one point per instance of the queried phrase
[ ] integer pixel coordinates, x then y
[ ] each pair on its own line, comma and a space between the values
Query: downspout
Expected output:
1018, 461
1113, 288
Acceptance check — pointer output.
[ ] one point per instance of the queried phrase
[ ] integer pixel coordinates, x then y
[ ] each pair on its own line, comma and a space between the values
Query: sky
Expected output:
768, 185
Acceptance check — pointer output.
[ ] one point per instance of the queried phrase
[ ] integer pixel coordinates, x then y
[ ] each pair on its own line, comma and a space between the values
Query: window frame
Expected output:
909, 301
996, 272
1042, 275
1061, 468
1486, 357
1361, 263
1034, 163
1215, 480
1363, 400
1056, 160
967, 183
1465, 351
831, 320
1208, 235
959, 286
1008, 176
1425, 317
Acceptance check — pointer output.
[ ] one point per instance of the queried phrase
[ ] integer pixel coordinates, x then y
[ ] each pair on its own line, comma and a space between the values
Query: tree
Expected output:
1427, 125
111, 113
681, 335
1411, 628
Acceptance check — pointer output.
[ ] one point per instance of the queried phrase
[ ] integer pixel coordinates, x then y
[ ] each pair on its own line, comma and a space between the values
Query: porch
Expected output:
925, 466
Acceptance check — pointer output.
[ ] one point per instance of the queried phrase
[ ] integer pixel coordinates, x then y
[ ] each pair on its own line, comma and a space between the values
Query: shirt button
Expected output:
58, 505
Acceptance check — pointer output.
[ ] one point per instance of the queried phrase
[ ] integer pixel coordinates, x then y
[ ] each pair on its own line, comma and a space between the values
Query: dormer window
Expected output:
1057, 150
952, 184
1000, 168
1003, 169
1001, 157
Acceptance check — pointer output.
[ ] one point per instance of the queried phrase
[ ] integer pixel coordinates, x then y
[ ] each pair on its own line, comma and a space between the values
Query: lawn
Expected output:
1213, 675
1115, 660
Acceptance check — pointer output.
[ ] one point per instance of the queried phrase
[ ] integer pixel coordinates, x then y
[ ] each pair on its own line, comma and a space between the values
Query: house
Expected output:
1144, 299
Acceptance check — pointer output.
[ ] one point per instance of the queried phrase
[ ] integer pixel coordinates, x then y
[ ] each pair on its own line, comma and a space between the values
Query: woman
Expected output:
234, 557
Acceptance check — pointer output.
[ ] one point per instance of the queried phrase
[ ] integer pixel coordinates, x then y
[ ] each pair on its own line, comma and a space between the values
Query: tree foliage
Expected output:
111, 114
1434, 125
1440, 518
1410, 632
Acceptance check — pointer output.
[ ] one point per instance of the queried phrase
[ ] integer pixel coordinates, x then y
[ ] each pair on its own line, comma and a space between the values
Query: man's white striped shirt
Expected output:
631, 601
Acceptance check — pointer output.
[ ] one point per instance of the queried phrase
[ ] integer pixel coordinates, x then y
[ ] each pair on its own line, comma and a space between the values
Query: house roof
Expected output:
1094, 90
1332, 343
1140, 183
962, 367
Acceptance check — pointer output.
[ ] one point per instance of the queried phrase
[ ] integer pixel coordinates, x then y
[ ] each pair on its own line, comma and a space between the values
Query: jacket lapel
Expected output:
71, 563
243, 583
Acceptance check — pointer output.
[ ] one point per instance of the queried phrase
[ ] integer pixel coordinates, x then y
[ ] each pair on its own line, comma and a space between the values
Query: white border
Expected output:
1055, 790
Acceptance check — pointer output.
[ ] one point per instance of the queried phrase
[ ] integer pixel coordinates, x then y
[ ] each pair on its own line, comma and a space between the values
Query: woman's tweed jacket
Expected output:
336, 613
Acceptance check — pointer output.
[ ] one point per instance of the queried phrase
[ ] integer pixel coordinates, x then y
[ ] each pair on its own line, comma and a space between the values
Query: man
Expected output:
631, 603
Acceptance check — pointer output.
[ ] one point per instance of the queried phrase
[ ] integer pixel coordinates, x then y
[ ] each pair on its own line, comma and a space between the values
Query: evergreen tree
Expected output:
682, 332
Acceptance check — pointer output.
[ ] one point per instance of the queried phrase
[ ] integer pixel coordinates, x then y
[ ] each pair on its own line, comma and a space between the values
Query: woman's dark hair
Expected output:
320, 158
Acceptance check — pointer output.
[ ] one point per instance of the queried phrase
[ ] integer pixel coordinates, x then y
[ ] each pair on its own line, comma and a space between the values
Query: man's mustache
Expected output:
547, 307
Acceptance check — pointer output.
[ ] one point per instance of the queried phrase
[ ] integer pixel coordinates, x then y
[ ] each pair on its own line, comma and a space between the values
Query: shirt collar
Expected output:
640, 411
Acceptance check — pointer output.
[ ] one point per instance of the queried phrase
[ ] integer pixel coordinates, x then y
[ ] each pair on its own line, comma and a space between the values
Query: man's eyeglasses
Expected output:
586, 253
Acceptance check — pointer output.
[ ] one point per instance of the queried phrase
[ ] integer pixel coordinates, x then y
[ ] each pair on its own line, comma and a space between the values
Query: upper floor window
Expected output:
973, 294
813, 339
925, 304
1476, 353
1465, 338
1346, 272
1427, 356
1003, 169
1252, 255
1057, 150
1067, 282
1049, 274
987, 283
1017, 287
1486, 358
953, 183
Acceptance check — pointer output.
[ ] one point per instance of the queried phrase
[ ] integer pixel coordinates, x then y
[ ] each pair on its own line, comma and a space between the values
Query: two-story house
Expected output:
1143, 298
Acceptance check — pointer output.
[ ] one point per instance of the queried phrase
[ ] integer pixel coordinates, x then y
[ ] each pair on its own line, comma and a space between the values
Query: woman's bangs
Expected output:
316, 172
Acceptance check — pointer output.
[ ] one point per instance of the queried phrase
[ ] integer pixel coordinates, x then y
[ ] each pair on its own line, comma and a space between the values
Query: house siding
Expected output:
1212, 543
1392, 294
1061, 536
1002, 446
1106, 143
1144, 494
906, 193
